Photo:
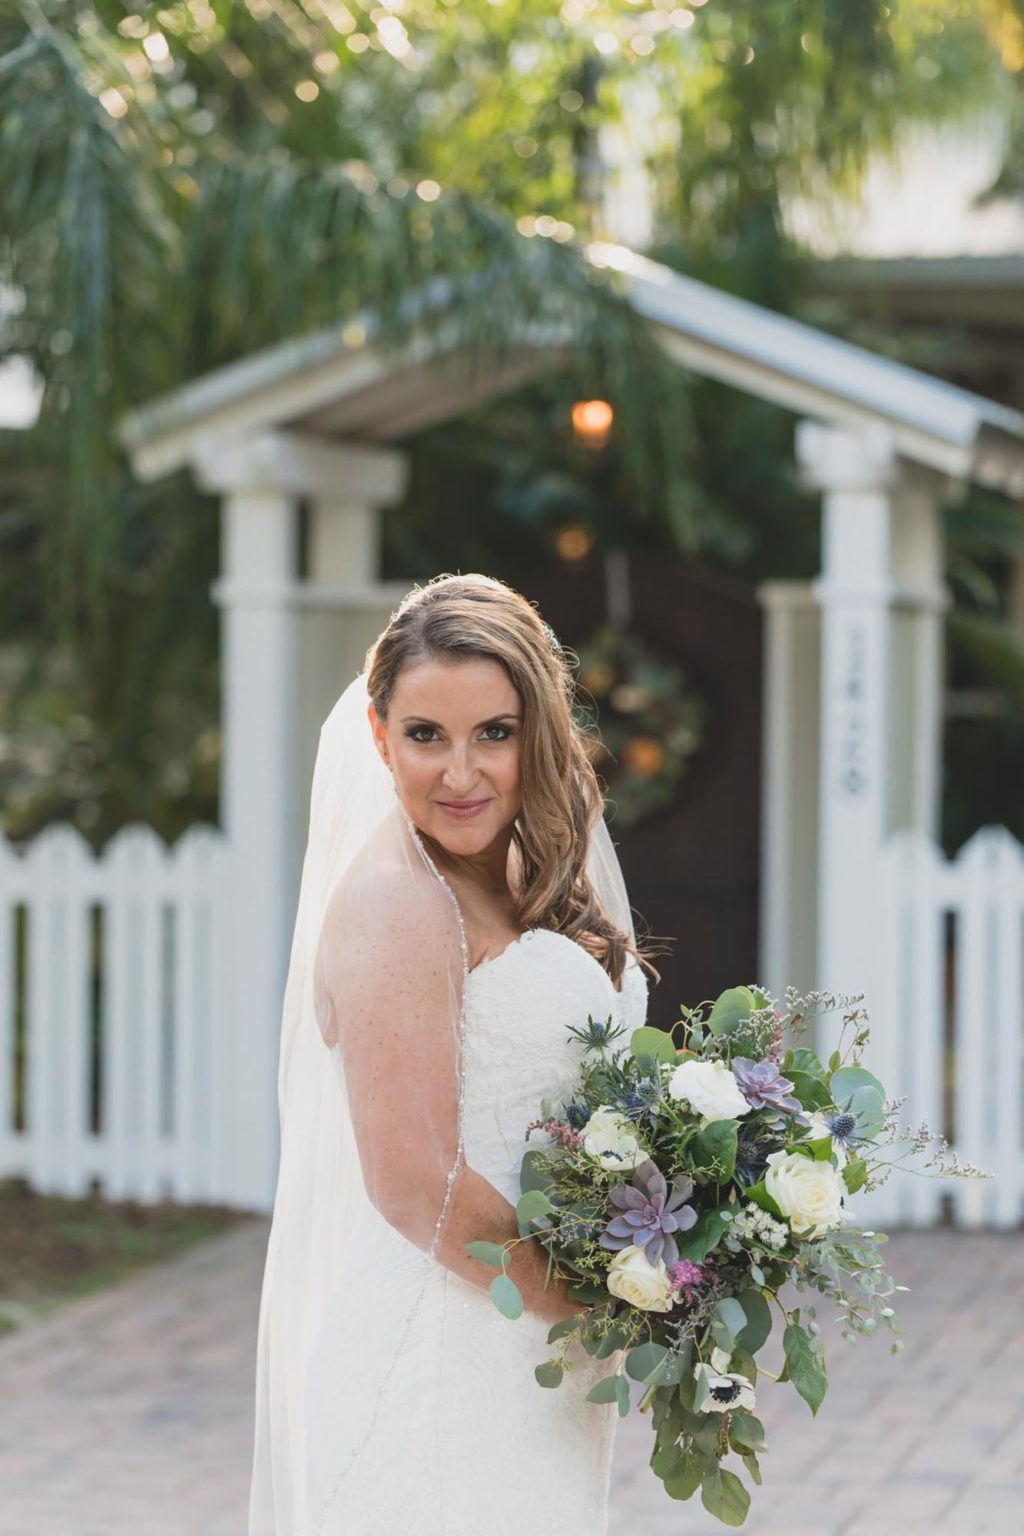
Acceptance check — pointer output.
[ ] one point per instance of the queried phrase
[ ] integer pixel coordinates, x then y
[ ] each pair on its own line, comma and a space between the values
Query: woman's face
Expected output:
454, 734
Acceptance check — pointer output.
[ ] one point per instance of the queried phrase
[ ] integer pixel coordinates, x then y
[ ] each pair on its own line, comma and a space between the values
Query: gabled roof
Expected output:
337, 385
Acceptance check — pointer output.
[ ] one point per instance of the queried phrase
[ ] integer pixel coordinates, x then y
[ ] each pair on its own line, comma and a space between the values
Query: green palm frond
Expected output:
139, 273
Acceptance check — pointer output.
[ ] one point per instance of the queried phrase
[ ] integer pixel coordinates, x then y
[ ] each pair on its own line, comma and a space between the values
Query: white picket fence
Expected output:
112, 984
119, 1049
948, 1018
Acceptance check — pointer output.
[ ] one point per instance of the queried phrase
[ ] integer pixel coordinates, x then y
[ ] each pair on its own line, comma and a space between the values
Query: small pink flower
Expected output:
685, 1275
562, 1133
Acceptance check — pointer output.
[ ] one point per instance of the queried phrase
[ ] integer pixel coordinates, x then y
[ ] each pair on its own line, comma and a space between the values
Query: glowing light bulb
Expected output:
592, 422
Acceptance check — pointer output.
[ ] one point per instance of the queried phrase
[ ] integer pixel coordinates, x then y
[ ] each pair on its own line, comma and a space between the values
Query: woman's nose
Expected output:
460, 770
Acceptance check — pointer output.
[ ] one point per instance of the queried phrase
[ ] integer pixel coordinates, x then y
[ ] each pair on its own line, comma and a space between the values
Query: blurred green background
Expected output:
182, 184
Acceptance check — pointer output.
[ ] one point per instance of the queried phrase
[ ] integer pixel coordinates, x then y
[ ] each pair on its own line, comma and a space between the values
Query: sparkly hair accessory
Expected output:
553, 640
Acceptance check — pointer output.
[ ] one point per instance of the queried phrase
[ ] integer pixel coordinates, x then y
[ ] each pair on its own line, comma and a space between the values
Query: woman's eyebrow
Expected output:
491, 719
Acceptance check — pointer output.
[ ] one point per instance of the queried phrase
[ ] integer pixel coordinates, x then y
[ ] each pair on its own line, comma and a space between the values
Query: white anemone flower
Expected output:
726, 1389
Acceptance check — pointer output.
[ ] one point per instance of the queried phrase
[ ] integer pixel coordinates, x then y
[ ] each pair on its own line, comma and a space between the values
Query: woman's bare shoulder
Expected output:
389, 890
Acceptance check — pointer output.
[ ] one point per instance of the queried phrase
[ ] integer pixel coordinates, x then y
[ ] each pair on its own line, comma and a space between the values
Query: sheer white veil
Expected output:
378, 930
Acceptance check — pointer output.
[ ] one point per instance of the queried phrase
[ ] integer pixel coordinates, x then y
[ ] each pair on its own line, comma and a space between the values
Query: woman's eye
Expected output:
414, 733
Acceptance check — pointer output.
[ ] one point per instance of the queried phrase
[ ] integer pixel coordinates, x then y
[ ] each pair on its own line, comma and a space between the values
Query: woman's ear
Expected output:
379, 733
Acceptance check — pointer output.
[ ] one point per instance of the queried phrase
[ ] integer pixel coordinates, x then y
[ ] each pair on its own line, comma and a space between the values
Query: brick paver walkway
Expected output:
130, 1413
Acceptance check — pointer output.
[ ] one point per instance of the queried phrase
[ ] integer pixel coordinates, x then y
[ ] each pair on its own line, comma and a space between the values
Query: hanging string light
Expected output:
592, 422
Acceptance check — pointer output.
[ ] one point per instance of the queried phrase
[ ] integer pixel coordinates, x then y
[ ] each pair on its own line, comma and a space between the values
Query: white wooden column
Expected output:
920, 601
259, 533
857, 473
787, 951
882, 599
266, 761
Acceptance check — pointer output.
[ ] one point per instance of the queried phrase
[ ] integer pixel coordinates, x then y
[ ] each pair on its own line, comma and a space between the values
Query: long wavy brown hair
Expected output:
454, 618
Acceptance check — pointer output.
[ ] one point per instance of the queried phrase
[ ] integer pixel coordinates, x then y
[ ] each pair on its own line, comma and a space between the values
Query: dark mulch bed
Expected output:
53, 1248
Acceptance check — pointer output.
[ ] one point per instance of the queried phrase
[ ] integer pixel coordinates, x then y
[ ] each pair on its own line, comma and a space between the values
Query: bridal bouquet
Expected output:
680, 1187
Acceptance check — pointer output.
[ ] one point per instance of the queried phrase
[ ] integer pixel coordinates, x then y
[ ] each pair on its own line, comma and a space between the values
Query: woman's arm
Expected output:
392, 968
478, 1210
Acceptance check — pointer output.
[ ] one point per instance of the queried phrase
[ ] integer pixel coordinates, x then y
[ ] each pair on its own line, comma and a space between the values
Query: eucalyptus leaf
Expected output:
804, 1060
869, 1108
685, 1479
677, 1365
746, 1433
488, 1253
549, 1374
560, 1330
702, 1237
727, 1321
855, 1174
744, 1363
730, 1009
806, 1365
532, 1204
760, 1196
752, 1465
644, 1360
714, 1149
614, 1339
813, 1092
534, 1171
705, 1438
758, 1323
651, 1042
667, 1457
849, 1080
506, 1296
587, 1291
724, 1496
612, 1389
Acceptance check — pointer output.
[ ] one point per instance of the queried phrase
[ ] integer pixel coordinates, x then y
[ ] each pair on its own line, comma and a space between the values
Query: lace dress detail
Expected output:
552, 1446
474, 1444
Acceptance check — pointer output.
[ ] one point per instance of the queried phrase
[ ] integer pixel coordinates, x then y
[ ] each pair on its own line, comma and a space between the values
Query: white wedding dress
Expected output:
464, 1440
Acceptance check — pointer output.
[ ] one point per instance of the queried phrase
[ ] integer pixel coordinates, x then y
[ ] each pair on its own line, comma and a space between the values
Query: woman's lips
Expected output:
464, 811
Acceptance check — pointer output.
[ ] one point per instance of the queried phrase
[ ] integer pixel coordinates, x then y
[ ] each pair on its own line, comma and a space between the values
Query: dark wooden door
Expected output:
692, 869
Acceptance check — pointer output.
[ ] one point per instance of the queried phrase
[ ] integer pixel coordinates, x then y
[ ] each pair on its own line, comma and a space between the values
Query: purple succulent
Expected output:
763, 1085
648, 1215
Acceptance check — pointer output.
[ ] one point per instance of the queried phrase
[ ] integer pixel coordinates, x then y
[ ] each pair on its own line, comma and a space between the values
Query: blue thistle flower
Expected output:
842, 1125
598, 1033
750, 1160
644, 1099
577, 1114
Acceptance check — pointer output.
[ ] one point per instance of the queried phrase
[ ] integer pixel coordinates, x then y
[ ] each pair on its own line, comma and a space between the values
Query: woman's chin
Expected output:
465, 834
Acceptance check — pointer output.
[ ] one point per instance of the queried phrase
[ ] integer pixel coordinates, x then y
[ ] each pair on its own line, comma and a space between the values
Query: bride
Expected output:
461, 905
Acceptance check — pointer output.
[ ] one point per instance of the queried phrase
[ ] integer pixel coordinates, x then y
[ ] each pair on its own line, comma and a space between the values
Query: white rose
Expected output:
809, 1194
610, 1138
819, 1129
710, 1090
635, 1279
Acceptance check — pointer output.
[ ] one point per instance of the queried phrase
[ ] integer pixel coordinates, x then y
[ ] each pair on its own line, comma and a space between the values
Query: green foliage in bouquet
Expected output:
691, 1175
